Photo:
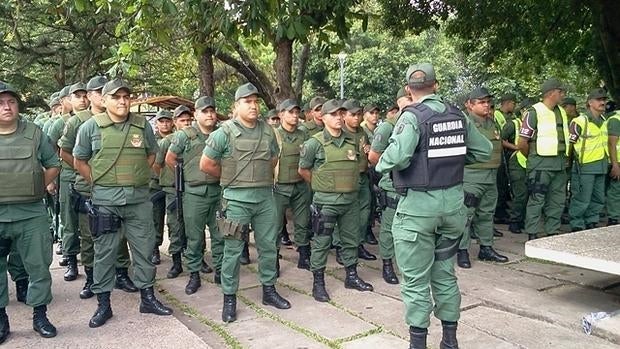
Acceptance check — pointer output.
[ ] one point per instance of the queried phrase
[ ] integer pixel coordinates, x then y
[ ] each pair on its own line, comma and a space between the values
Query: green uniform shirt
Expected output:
49, 159
218, 147
380, 142
596, 167
88, 143
613, 127
178, 144
55, 133
535, 162
48, 123
312, 156
369, 134
482, 175
508, 132
403, 143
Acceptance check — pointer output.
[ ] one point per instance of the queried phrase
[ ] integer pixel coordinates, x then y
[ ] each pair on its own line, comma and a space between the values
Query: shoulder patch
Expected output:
399, 129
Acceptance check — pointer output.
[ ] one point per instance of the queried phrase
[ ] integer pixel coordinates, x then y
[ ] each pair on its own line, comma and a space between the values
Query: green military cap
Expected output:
54, 95
426, 68
568, 100
528, 102
597, 93
370, 107
352, 106
54, 101
479, 93
331, 106
401, 93
271, 114
508, 97
204, 102
288, 105
316, 102
64, 92
552, 84
180, 110
7, 88
305, 107
245, 90
112, 86
78, 86
96, 83
163, 114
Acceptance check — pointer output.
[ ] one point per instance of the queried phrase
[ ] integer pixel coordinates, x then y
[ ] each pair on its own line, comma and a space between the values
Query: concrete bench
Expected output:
595, 249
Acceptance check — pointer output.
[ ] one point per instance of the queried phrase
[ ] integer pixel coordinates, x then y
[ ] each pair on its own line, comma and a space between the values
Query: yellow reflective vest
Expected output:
592, 142
521, 159
547, 130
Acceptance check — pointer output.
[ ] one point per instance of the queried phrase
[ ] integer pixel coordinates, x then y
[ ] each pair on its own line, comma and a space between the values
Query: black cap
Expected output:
508, 97
568, 100
479, 93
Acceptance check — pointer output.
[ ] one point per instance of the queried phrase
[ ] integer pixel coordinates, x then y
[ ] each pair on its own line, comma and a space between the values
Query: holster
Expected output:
321, 224
471, 200
231, 229
447, 248
5, 247
77, 201
102, 223
158, 196
535, 187
391, 202
382, 199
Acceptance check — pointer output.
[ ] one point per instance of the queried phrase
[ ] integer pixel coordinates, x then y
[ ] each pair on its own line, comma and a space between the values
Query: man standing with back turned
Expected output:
428, 150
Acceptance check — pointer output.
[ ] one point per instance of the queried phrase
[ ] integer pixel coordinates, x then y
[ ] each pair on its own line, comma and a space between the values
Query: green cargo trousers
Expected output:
33, 243
69, 218
415, 241
138, 229
363, 203
262, 217
587, 199
480, 216
386, 239
613, 199
87, 251
346, 217
198, 212
547, 193
159, 214
298, 199
175, 230
16, 265
518, 184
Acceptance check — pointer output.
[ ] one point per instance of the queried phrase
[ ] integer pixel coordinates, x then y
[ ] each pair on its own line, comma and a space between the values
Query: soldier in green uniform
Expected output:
517, 163
313, 123
389, 196
81, 192
329, 162
29, 163
165, 127
243, 152
201, 195
351, 125
504, 115
588, 136
69, 217
64, 108
613, 146
182, 117
114, 152
544, 139
570, 106
430, 145
290, 190
479, 184
369, 125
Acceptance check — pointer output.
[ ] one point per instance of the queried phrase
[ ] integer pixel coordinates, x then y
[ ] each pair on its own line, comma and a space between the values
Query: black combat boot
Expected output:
59, 248
205, 268
177, 266
41, 324
285, 240
217, 277
72, 268
388, 272
5, 328
531, 237
150, 304
278, 265
448, 338
245, 254
156, 256
497, 233
370, 236
590, 225
86, 291
462, 259
229, 310
123, 282
103, 312
21, 290
318, 286
612, 221
193, 284
339, 256
354, 281
304, 257
363, 253
63, 261
417, 337
271, 297
487, 253
515, 227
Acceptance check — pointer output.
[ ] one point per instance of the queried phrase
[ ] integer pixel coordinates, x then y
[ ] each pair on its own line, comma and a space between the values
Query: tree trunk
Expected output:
607, 27
300, 72
283, 66
205, 70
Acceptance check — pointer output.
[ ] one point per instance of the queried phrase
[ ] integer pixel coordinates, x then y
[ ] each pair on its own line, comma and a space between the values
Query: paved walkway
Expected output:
523, 304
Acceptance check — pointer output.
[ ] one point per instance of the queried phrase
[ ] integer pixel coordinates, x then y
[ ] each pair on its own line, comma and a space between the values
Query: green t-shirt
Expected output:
312, 156
218, 147
88, 143
48, 158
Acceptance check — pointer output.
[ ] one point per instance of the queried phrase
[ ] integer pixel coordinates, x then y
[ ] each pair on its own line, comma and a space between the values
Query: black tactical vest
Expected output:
439, 158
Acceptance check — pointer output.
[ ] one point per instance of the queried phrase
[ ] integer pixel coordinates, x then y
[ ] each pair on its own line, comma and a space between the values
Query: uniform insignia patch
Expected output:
302, 150
378, 138
350, 155
136, 140
400, 129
